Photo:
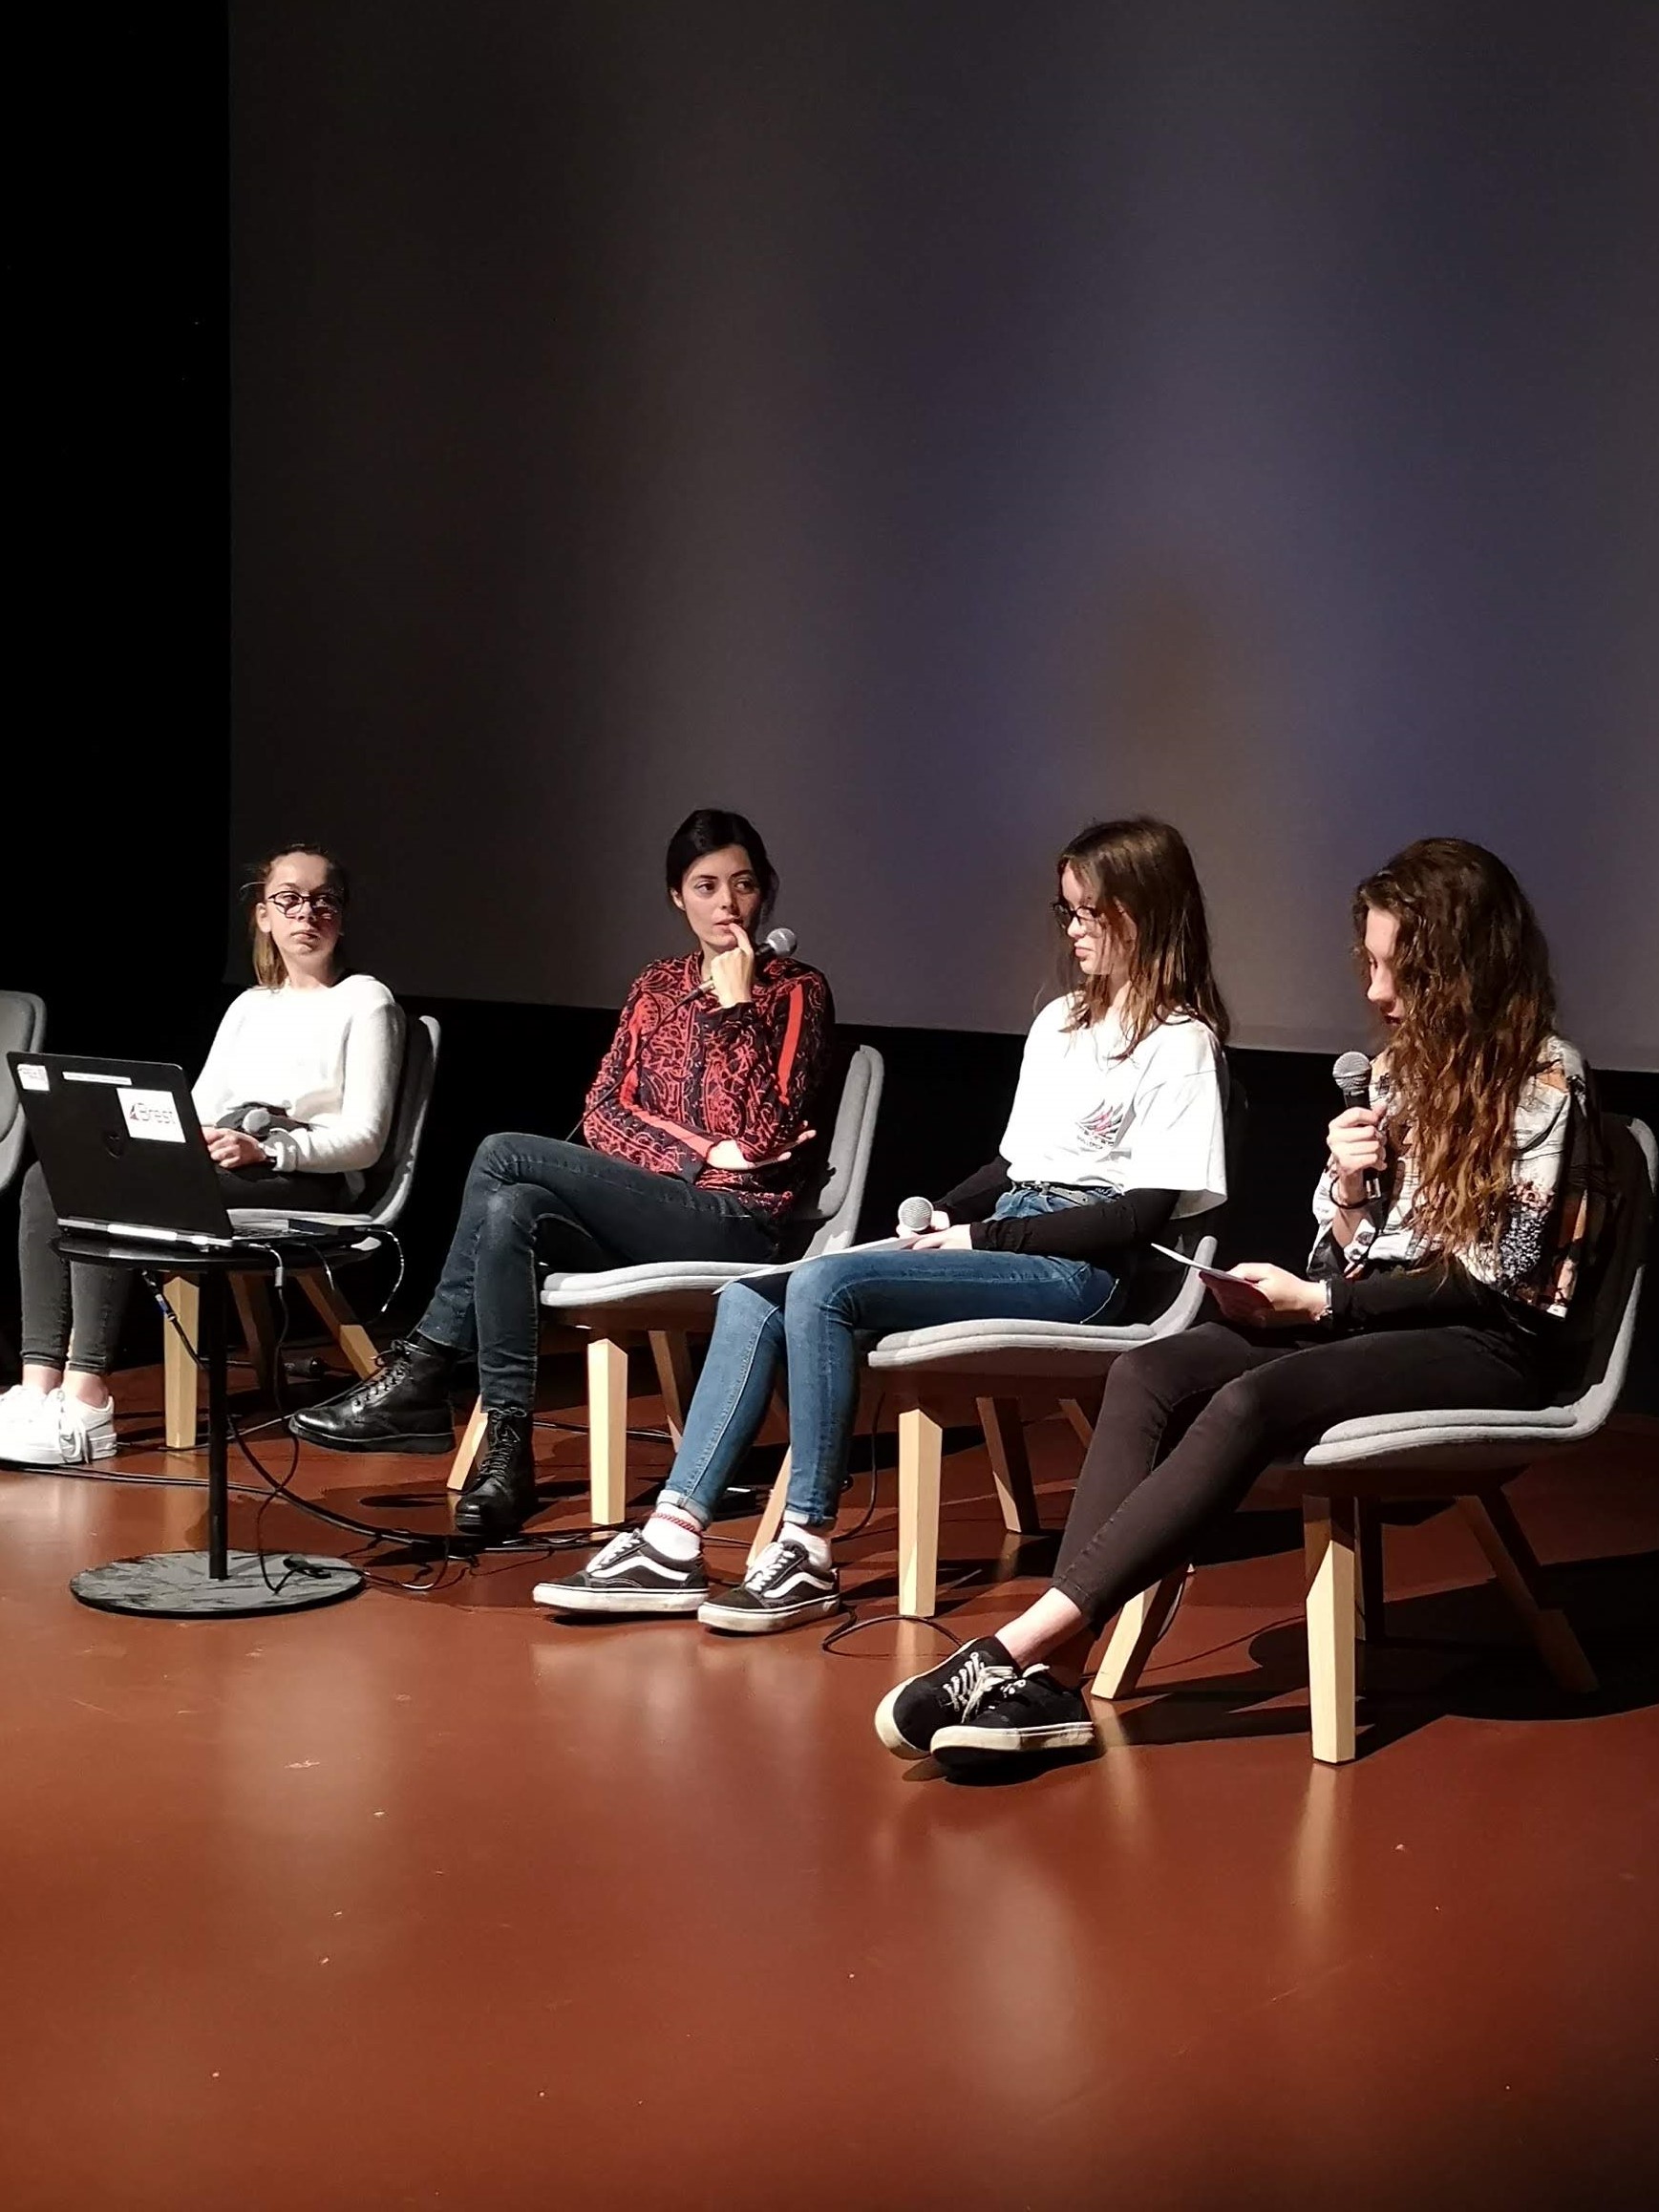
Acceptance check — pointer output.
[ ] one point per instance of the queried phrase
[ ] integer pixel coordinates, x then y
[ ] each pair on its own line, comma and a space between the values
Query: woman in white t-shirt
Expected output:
316, 1053
1116, 1129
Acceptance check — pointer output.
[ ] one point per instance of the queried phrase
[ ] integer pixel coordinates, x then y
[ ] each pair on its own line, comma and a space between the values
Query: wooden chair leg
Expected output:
606, 1432
183, 1294
1082, 1427
1327, 1531
1005, 1440
1515, 1563
341, 1322
772, 1519
467, 1451
1368, 1532
921, 1463
671, 1357
1133, 1633
253, 1311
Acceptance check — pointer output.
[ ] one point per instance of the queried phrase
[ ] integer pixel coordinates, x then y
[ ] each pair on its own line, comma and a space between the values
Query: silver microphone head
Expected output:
257, 1122
782, 942
915, 1215
1351, 1075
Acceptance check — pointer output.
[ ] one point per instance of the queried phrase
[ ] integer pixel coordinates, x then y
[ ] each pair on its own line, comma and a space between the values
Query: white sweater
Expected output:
329, 1058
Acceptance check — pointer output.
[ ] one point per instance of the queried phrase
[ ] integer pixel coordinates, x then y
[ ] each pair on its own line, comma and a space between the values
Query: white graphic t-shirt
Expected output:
1085, 1114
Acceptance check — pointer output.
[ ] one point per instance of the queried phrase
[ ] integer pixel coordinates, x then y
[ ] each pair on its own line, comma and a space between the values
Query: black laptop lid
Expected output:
119, 1141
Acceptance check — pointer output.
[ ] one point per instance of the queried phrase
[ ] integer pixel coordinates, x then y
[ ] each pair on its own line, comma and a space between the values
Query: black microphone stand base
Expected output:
180, 1586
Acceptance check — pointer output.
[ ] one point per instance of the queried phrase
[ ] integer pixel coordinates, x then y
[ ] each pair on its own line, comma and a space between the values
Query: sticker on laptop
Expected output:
151, 1113
32, 1077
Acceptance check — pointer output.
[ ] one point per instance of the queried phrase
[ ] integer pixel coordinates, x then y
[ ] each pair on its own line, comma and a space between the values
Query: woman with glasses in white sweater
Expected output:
317, 1052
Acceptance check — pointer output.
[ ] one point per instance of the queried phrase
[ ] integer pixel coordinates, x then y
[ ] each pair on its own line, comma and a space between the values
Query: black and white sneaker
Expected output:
908, 1718
629, 1576
1029, 1713
782, 1590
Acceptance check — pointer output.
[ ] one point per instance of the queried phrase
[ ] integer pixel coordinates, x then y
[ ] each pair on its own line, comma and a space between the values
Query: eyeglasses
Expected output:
324, 905
1065, 913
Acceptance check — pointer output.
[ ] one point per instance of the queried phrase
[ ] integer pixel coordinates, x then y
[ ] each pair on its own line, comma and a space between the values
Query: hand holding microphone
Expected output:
1359, 1153
731, 973
923, 1228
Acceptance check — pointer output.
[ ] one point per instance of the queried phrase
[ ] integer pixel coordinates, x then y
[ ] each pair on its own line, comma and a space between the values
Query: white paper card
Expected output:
32, 1077
153, 1115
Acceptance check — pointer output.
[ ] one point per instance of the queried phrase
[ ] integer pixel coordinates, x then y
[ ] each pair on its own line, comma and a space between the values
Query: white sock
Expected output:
816, 1541
673, 1536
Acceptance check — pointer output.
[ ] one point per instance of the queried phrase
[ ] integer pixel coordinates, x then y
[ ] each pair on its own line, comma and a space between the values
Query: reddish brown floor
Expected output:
425, 1902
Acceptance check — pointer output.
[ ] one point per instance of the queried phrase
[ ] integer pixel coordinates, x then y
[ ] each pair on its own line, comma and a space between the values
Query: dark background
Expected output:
121, 653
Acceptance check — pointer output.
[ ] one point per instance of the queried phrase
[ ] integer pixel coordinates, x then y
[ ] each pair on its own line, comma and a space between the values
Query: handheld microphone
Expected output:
1351, 1075
915, 1215
257, 1122
782, 942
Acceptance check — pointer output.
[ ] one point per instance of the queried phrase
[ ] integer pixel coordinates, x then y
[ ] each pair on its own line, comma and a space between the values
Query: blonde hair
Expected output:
268, 970
1142, 867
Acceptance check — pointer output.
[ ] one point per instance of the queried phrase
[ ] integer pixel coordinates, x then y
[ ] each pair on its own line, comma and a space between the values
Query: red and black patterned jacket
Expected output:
682, 1072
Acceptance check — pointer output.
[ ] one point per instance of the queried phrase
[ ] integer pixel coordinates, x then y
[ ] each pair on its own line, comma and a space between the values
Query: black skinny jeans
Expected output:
538, 1197
92, 1300
1187, 1424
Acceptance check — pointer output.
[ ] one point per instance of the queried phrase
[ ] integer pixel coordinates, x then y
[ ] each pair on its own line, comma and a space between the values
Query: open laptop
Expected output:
124, 1158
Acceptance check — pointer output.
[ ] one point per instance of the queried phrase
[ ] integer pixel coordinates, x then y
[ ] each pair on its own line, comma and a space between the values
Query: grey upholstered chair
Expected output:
669, 1301
1464, 1455
22, 1030
385, 1193
994, 1371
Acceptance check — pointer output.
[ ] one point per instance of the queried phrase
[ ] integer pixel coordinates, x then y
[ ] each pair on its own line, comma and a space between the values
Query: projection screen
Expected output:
928, 429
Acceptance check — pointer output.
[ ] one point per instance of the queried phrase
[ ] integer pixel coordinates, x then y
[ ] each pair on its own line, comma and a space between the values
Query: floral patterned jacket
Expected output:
1557, 1192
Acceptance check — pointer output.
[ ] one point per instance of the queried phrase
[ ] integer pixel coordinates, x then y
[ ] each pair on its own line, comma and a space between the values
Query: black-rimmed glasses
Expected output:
1065, 913
324, 905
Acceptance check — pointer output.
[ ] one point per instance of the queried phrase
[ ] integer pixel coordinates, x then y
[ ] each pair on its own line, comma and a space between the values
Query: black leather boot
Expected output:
500, 1494
404, 1407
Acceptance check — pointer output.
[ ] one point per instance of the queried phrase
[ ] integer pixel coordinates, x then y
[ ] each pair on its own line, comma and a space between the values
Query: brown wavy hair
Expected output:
268, 961
1476, 1009
1142, 867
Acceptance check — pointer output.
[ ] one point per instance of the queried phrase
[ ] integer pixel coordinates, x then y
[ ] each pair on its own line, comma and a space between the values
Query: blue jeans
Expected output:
531, 1198
811, 1322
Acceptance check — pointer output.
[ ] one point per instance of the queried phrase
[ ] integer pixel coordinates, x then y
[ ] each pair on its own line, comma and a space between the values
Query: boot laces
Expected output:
504, 1442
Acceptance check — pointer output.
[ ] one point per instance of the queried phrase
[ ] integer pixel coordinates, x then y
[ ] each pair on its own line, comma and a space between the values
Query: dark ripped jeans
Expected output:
532, 1200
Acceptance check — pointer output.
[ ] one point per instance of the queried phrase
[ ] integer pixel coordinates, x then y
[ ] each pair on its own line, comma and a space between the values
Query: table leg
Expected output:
212, 1348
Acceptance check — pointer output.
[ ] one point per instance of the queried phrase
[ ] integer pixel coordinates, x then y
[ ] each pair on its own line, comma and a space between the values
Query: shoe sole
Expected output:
1013, 1742
388, 1447
558, 1600
887, 1728
732, 1622
55, 1463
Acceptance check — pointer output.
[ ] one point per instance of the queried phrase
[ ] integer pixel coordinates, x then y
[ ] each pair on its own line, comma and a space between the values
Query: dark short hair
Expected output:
711, 829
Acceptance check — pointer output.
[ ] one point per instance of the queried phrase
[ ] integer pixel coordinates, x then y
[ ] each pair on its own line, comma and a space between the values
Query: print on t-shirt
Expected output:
1087, 1112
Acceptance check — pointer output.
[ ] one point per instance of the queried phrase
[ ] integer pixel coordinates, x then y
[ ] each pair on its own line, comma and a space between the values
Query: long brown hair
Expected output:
1477, 1009
1142, 867
268, 961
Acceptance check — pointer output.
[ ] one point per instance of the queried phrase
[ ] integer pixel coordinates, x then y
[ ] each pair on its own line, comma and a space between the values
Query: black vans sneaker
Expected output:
782, 1588
909, 1717
1029, 1713
629, 1576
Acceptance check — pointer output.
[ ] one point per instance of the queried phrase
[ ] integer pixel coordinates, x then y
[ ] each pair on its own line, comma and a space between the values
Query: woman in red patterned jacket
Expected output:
694, 1125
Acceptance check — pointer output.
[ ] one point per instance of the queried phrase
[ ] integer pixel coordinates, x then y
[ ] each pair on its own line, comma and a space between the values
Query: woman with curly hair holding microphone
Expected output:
1453, 1219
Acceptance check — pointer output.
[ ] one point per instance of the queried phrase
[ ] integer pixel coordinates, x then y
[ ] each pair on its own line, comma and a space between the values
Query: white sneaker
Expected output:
23, 1411
56, 1431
